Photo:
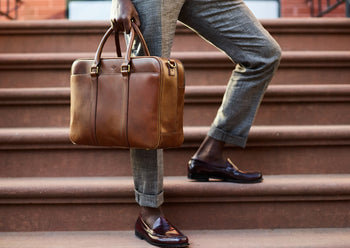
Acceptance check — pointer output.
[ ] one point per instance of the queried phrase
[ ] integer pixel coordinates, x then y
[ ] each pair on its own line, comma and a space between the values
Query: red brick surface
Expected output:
300, 8
36, 9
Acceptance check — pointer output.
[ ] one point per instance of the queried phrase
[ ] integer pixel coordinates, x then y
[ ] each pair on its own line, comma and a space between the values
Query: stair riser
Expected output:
282, 105
313, 42
257, 215
200, 114
107, 203
50, 42
34, 115
273, 150
67, 217
284, 113
271, 160
194, 216
59, 77
182, 42
63, 36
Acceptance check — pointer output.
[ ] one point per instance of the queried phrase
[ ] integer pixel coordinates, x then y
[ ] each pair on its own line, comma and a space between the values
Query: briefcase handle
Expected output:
125, 68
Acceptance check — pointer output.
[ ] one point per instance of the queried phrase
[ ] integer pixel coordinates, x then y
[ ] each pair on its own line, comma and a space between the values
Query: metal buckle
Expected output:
171, 64
125, 68
94, 71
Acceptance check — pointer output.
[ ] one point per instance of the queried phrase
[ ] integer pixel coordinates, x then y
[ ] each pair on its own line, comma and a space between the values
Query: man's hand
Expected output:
123, 13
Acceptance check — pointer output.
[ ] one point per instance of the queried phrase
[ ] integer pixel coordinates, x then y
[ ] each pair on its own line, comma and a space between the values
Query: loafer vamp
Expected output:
232, 173
162, 233
162, 228
228, 173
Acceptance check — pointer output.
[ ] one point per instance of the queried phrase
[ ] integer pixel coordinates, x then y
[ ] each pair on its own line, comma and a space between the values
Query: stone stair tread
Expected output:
294, 92
307, 104
31, 26
249, 238
64, 35
259, 135
178, 189
97, 204
204, 68
284, 149
54, 57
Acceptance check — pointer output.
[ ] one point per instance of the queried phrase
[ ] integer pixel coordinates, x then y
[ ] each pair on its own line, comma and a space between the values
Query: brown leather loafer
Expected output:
202, 171
163, 234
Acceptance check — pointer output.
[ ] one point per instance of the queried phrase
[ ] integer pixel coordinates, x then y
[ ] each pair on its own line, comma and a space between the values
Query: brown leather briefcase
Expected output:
130, 102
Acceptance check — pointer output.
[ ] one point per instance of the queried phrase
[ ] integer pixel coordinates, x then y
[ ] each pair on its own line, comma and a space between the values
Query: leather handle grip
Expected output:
117, 44
134, 29
143, 42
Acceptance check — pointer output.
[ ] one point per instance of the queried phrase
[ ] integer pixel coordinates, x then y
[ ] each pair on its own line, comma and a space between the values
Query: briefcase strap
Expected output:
125, 68
117, 43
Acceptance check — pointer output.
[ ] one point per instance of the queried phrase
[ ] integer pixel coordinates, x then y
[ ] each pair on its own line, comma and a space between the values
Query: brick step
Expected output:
282, 105
71, 36
107, 203
202, 68
255, 238
47, 152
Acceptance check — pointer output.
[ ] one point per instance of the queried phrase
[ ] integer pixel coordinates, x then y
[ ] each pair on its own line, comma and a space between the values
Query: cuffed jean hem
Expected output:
152, 201
221, 135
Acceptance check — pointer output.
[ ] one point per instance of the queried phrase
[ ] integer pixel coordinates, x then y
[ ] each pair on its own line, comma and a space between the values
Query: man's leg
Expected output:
232, 27
158, 23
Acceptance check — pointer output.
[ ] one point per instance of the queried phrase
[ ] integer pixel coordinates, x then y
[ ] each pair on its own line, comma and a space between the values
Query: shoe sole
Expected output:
140, 236
200, 178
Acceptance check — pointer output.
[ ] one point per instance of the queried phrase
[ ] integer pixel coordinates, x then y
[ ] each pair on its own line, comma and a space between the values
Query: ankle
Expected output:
209, 159
217, 161
211, 151
150, 215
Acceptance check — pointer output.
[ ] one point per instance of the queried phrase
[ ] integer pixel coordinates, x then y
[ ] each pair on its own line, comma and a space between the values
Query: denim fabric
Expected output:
232, 28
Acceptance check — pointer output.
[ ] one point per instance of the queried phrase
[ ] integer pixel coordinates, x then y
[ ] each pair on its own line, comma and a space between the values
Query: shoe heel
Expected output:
137, 234
199, 178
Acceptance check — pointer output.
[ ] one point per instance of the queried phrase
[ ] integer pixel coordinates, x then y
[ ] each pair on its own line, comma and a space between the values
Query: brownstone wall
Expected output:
37, 9
300, 8
55, 9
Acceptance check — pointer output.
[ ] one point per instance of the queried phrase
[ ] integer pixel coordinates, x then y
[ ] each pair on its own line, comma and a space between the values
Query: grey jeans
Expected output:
231, 27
